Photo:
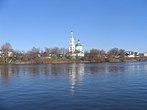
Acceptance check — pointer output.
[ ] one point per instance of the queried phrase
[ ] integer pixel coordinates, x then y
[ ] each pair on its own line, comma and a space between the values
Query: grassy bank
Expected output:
70, 60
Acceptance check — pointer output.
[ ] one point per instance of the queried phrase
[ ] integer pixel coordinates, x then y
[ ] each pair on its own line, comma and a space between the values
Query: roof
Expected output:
78, 44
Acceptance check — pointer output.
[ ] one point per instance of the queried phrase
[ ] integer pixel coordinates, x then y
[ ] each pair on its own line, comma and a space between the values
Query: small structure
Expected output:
131, 54
75, 50
1, 53
145, 54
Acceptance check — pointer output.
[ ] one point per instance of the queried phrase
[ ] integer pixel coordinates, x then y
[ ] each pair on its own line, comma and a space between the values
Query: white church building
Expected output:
75, 50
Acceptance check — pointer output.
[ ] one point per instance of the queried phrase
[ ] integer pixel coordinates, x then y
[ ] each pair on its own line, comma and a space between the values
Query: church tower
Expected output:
71, 44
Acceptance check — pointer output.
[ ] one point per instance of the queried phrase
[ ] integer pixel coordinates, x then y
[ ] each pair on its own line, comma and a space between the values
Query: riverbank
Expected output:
51, 61
65, 60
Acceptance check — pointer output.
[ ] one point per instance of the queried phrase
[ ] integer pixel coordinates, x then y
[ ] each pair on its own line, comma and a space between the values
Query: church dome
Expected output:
78, 44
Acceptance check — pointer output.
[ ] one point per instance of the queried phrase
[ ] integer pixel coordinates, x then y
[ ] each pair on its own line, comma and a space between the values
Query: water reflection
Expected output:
83, 81
5, 74
75, 71
95, 69
76, 75
5, 71
116, 68
103, 69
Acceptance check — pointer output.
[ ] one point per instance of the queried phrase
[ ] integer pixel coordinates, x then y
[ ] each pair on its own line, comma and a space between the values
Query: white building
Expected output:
75, 50
131, 54
71, 44
145, 54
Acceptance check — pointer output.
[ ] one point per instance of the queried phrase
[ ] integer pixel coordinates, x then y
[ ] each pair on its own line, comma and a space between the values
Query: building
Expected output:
71, 44
145, 54
131, 54
75, 50
3, 54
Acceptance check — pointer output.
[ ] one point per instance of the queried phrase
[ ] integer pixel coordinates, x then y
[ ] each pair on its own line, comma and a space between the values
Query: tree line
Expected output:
9, 55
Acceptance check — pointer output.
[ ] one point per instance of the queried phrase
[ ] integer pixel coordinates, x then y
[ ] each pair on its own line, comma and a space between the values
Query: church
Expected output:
75, 50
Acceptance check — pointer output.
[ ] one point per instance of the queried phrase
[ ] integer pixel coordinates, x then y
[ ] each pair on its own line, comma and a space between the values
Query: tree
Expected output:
122, 54
35, 50
116, 54
95, 55
113, 53
56, 51
48, 50
34, 53
6, 49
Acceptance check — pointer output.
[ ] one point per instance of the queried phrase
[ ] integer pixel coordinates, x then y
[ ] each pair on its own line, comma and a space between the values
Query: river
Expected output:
103, 86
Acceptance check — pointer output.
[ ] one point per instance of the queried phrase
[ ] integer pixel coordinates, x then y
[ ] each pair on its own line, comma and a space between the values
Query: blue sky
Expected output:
101, 24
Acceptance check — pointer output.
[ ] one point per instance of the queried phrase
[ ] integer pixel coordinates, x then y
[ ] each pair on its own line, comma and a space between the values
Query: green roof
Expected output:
78, 44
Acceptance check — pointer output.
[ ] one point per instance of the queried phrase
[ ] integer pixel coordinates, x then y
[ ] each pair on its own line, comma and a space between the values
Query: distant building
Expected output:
9, 53
75, 50
1, 53
145, 54
131, 54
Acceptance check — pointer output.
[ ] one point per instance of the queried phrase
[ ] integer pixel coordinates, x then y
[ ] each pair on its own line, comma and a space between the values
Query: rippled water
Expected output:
105, 86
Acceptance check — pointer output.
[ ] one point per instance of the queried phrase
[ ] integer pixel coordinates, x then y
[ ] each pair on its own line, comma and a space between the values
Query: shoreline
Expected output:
66, 61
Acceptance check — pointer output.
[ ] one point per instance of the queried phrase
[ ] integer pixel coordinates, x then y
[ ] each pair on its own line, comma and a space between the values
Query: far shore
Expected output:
68, 61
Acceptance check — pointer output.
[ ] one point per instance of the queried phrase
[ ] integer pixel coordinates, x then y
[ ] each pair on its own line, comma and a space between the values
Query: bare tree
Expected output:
6, 49
35, 50
63, 51
48, 50
116, 54
113, 53
95, 55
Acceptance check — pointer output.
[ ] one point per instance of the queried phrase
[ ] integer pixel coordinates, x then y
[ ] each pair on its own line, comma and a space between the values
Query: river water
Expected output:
104, 86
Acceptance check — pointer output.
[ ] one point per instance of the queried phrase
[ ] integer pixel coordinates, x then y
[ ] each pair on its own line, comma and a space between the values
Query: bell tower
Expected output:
71, 43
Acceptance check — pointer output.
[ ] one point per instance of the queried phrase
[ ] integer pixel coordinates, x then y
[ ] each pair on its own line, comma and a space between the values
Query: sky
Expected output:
100, 24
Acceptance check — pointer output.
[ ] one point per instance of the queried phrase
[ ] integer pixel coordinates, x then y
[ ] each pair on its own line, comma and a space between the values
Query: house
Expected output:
131, 54
145, 54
